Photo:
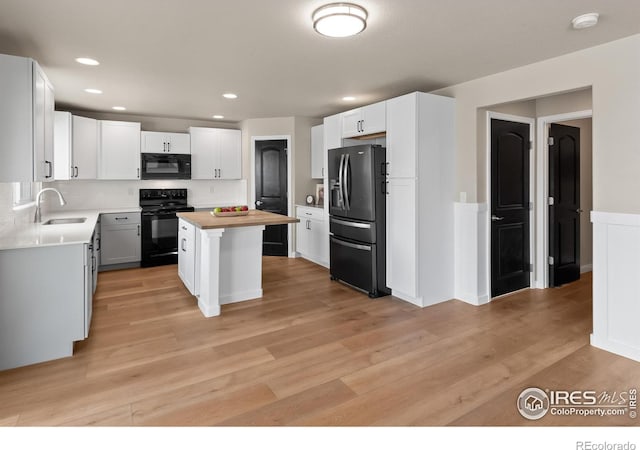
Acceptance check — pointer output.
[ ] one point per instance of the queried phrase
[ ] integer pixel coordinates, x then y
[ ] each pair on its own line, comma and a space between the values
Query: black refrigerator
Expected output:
357, 208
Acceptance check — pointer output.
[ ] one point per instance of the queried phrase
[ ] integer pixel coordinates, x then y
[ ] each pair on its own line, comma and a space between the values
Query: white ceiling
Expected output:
175, 58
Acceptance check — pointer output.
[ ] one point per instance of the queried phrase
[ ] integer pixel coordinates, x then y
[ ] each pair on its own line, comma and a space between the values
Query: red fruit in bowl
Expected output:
245, 208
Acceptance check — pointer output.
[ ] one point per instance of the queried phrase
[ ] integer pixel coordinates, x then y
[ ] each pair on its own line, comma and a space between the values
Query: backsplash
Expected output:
8, 216
93, 194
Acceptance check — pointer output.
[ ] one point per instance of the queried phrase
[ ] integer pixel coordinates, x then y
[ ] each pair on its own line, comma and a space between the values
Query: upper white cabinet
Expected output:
26, 121
155, 142
370, 119
420, 152
119, 150
216, 154
317, 151
76, 147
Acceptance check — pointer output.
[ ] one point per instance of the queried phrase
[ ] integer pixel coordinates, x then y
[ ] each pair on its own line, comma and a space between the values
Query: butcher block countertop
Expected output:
205, 220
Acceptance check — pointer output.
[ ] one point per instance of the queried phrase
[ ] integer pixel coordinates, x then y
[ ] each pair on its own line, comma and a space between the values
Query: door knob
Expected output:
496, 218
578, 210
258, 203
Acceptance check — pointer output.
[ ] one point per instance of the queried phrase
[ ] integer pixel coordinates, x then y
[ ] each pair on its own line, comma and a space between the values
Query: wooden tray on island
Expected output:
230, 214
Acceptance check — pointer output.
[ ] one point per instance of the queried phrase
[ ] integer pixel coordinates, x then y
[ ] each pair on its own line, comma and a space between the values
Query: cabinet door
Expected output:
332, 133
62, 146
49, 125
204, 157
351, 123
153, 142
302, 237
401, 237
40, 163
374, 118
230, 155
119, 154
186, 254
88, 287
402, 136
319, 239
120, 244
317, 151
84, 148
179, 143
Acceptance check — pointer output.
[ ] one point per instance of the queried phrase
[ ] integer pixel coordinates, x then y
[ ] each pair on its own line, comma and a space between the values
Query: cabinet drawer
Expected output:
310, 213
120, 219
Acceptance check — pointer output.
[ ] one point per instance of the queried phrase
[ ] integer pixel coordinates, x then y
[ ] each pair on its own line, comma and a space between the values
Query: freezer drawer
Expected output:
355, 264
353, 230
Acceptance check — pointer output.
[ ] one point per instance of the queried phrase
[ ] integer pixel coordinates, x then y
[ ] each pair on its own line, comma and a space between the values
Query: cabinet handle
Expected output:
169, 147
76, 171
138, 172
387, 189
48, 163
138, 230
184, 228
99, 244
323, 172
387, 164
219, 173
122, 218
384, 188
182, 244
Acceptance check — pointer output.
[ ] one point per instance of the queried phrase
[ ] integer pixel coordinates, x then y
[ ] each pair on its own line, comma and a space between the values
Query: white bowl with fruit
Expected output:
228, 211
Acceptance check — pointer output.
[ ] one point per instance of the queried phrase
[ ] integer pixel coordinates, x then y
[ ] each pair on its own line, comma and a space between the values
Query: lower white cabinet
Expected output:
312, 235
187, 254
120, 238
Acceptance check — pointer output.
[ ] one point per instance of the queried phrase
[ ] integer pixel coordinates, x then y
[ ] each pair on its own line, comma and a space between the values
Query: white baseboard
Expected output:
615, 347
586, 268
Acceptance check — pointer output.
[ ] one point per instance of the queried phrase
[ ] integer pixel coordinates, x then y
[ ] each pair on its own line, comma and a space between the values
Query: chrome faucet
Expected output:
38, 217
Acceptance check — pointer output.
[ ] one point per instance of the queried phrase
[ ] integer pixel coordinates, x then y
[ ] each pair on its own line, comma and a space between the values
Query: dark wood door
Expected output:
510, 259
564, 213
271, 192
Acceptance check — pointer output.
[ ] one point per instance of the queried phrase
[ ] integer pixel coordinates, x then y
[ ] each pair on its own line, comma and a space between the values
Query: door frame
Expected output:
252, 190
532, 138
542, 193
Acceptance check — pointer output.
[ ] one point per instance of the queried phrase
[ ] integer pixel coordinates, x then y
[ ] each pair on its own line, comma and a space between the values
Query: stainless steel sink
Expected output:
66, 220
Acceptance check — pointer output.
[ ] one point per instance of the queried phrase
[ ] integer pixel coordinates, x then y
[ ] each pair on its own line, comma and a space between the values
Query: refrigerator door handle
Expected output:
340, 183
351, 245
346, 183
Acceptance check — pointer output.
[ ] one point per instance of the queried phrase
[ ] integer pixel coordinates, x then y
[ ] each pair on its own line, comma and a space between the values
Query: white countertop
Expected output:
29, 235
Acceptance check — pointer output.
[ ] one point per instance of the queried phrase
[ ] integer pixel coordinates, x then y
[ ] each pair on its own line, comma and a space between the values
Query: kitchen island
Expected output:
220, 258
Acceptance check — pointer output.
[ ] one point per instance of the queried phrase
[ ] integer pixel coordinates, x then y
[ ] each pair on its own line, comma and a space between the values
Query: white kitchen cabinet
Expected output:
76, 147
119, 150
120, 238
420, 150
26, 121
216, 154
187, 248
43, 300
157, 142
312, 235
370, 119
317, 151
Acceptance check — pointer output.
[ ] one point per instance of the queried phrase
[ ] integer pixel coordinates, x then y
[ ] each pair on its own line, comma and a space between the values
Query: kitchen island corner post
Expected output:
209, 299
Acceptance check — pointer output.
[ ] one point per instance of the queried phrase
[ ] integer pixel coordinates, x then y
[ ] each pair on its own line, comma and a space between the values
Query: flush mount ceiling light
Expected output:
87, 61
93, 91
339, 19
218, 116
585, 21
230, 95
119, 108
348, 98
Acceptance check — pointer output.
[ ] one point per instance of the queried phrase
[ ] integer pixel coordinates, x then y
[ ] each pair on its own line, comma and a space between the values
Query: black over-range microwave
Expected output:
163, 166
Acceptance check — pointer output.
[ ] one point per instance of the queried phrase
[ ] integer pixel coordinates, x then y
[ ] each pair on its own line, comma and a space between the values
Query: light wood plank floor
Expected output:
313, 352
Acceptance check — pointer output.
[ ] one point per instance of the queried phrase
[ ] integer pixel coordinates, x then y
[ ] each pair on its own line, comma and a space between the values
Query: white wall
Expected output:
615, 105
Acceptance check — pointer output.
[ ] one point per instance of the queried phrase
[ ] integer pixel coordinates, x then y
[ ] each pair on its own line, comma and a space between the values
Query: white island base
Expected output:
220, 258
230, 267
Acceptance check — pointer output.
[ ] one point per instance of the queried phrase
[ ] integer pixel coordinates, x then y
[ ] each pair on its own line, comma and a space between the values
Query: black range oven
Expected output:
160, 224
165, 166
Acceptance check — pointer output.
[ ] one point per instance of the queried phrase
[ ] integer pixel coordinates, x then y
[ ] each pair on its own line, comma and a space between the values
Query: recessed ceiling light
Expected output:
119, 108
218, 116
93, 91
348, 98
230, 95
585, 21
87, 61
339, 19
